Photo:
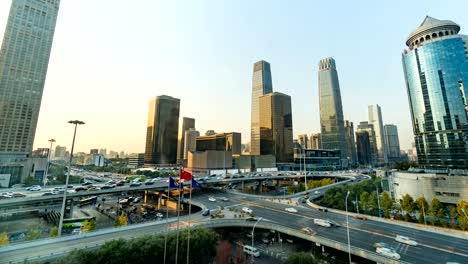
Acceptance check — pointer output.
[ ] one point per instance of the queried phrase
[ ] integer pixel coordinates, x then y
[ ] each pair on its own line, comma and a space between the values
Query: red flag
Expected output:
185, 175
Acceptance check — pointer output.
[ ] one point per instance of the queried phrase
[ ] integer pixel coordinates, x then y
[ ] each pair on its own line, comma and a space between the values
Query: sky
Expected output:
110, 57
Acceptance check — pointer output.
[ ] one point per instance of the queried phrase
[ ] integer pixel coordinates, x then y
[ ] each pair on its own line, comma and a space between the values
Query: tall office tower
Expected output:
24, 58
93, 151
187, 123
221, 142
315, 141
349, 132
375, 118
436, 71
261, 85
60, 152
364, 155
276, 129
392, 142
331, 109
190, 141
163, 130
103, 152
369, 128
303, 140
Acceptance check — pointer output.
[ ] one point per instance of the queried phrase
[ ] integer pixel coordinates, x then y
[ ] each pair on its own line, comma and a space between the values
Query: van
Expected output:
322, 222
252, 251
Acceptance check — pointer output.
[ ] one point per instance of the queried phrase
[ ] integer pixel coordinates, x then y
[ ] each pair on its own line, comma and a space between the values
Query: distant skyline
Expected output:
109, 58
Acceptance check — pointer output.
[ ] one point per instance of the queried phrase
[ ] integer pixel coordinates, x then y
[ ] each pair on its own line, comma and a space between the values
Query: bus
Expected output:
89, 200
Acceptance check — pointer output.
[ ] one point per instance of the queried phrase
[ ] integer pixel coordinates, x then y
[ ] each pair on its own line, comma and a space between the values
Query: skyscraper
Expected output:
369, 129
331, 109
187, 123
24, 58
436, 72
303, 140
364, 155
261, 84
349, 132
392, 142
190, 141
375, 118
162, 131
276, 130
315, 141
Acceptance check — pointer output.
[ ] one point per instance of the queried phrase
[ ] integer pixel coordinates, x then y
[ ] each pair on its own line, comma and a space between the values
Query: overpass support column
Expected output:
159, 200
242, 185
145, 196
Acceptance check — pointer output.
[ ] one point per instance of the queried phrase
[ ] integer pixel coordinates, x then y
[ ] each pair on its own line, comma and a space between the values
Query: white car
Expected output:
387, 253
212, 199
159, 215
322, 222
34, 188
316, 192
291, 210
406, 240
247, 210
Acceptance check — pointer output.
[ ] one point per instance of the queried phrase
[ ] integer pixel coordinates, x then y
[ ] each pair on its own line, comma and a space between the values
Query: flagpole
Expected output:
178, 220
190, 226
167, 217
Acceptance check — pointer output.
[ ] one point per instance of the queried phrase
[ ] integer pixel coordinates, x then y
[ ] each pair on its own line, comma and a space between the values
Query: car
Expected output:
17, 194
60, 188
303, 201
387, 253
76, 231
224, 199
135, 184
361, 217
382, 245
266, 240
206, 212
120, 183
149, 182
291, 210
321, 222
333, 223
159, 215
316, 192
323, 209
104, 187
48, 194
80, 188
309, 231
251, 219
111, 182
86, 183
289, 240
34, 188
247, 210
251, 251
136, 200
406, 240
212, 199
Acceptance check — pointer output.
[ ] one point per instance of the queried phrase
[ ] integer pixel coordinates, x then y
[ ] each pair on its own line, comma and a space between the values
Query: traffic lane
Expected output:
359, 239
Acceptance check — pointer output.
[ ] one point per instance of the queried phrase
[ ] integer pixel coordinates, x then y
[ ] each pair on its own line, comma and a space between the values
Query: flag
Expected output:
195, 184
175, 184
185, 175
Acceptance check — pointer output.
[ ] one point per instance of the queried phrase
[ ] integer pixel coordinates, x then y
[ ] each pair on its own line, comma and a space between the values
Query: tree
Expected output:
462, 209
423, 208
437, 211
89, 226
53, 232
4, 239
386, 203
29, 181
407, 204
364, 200
33, 234
453, 214
301, 258
121, 220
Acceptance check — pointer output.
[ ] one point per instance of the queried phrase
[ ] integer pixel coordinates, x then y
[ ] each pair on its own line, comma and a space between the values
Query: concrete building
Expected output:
315, 160
204, 161
136, 161
230, 142
99, 160
187, 123
276, 129
261, 85
162, 132
375, 118
369, 128
190, 141
392, 142
435, 65
303, 140
315, 141
103, 152
331, 109
24, 59
60, 152
349, 133
249, 163
94, 151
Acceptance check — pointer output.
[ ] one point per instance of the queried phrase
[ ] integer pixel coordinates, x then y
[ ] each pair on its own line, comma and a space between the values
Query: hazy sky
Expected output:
110, 57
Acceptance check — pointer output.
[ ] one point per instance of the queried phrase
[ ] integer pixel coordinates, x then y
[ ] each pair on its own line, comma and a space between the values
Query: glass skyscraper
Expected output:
162, 131
331, 109
375, 118
436, 71
349, 133
261, 85
392, 142
187, 124
24, 58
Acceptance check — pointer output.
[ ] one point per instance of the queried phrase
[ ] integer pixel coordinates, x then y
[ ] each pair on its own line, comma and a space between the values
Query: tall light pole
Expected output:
305, 170
253, 229
62, 213
347, 227
378, 200
48, 161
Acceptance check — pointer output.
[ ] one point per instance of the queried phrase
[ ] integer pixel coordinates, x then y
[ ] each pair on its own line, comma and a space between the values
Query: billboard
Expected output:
5, 180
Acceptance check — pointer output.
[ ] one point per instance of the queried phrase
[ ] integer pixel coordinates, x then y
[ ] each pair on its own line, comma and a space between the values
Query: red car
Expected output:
120, 183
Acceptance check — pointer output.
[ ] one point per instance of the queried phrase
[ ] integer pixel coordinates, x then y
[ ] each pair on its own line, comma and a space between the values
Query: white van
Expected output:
252, 251
322, 222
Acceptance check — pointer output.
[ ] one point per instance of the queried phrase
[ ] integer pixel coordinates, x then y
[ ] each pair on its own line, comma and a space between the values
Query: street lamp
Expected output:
253, 229
378, 200
48, 161
62, 213
347, 226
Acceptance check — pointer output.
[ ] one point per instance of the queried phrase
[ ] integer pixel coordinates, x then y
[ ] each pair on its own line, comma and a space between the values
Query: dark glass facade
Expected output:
331, 110
276, 130
261, 84
162, 131
364, 154
187, 123
436, 81
221, 142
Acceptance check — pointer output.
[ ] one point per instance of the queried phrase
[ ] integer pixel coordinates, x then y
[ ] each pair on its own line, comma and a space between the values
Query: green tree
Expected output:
121, 220
437, 211
364, 201
462, 209
407, 204
453, 214
301, 258
33, 234
423, 208
4, 239
29, 181
53, 231
386, 203
89, 226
